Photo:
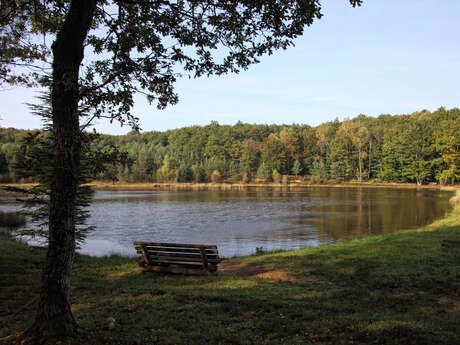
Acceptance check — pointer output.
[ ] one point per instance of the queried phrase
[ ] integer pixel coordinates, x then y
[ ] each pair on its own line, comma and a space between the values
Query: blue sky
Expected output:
386, 57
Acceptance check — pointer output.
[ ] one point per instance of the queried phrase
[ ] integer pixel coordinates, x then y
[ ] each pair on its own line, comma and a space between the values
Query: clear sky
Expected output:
386, 57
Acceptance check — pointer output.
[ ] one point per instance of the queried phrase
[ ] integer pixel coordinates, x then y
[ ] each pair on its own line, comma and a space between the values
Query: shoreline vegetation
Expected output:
296, 184
267, 185
401, 288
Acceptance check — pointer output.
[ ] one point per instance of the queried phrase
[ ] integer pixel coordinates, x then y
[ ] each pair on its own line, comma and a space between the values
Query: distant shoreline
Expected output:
242, 186
98, 185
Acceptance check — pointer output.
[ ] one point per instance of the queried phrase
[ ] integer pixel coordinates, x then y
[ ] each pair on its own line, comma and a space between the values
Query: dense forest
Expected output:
422, 147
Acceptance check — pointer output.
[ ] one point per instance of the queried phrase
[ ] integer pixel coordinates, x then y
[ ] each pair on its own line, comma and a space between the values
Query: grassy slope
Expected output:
401, 288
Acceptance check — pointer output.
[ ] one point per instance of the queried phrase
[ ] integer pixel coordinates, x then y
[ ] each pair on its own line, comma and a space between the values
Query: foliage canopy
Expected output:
140, 46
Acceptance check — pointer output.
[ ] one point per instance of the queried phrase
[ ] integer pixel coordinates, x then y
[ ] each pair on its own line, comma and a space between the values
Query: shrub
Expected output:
276, 176
216, 176
11, 220
285, 179
264, 171
245, 178
198, 173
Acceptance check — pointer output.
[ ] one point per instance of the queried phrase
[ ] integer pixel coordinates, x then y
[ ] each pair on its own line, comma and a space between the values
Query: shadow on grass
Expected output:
377, 290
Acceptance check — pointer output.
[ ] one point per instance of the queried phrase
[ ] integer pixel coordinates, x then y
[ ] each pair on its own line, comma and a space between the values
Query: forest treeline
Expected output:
422, 147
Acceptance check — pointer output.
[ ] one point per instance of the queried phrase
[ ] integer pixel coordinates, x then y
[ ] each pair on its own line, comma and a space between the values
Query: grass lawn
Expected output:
402, 288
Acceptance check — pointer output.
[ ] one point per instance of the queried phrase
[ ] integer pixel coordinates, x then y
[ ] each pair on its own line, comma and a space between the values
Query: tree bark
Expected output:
54, 318
370, 161
360, 163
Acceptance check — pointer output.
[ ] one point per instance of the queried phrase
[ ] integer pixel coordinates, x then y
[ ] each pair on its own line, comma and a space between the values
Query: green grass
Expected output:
402, 288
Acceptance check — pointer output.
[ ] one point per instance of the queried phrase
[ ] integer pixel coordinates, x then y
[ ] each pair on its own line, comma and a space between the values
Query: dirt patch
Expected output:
256, 271
242, 269
276, 275
449, 304
113, 276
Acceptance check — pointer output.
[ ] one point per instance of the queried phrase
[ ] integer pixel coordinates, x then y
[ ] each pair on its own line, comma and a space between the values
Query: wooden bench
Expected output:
178, 258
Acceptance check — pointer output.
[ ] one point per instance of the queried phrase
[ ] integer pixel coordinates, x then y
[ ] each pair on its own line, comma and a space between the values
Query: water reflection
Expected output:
240, 221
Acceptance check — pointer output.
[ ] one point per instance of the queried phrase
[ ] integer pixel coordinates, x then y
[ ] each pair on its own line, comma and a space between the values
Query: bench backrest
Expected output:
189, 255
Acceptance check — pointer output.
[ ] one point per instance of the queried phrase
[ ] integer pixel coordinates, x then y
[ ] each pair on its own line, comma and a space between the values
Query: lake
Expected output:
242, 220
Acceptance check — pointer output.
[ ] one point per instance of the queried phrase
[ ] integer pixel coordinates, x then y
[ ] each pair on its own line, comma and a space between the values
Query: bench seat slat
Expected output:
173, 259
179, 250
171, 249
176, 245
181, 255
180, 269
180, 262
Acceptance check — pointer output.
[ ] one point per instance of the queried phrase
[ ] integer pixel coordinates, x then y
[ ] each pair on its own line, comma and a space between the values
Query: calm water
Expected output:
240, 221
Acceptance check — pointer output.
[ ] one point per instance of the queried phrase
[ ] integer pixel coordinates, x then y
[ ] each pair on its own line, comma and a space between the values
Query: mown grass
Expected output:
402, 288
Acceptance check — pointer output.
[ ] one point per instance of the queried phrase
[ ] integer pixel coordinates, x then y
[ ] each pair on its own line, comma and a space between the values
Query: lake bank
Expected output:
402, 288
99, 185
230, 186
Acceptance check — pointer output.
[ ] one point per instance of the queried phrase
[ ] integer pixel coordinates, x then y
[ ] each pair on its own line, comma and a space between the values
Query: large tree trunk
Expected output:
54, 318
